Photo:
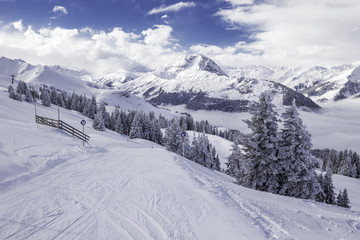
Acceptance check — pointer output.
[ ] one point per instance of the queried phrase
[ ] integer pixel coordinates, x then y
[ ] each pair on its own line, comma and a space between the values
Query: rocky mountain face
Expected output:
319, 83
199, 83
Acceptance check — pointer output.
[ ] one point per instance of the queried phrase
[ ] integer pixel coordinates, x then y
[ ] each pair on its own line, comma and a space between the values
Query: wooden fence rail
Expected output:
63, 126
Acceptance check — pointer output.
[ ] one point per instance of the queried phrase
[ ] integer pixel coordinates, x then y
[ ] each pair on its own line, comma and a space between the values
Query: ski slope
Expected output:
116, 188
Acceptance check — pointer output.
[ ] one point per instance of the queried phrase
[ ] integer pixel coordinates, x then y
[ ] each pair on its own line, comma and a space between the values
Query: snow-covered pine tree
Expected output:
172, 138
45, 98
53, 96
343, 199
106, 115
28, 96
261, 146
146, 126
204, 153
98, 123
136, 129
156, 134
11, 91
60, 99
21, 87
91, 108
118, 126
234, 161
297, 177
328, 188
114, 117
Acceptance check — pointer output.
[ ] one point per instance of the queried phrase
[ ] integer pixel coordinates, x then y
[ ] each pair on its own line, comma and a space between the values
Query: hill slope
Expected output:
116, 188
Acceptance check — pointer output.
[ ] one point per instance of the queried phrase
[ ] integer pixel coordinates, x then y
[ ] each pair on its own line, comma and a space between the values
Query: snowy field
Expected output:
115, 188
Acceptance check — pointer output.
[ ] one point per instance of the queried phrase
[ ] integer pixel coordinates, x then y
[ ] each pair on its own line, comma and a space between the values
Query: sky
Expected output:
143, 35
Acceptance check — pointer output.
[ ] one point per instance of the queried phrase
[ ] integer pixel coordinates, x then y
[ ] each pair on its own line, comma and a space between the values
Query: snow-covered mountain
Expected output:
115, 79
118, 188
73, 81
50, 75
200, 83
319, 83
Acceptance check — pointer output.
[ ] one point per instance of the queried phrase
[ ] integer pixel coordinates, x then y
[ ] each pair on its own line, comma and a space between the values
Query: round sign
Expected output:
83, 122
183, 134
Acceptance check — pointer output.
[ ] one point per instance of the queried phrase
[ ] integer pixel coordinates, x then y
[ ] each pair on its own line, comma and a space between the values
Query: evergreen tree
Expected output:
261, 146
118, 126
98, 123
21, 87
105, 114
204, 153
233, 164
328, 188
28, 96
91, 109
156, 134
136, 129
11, 91
172, 138
343, 199
45, 96
297, 177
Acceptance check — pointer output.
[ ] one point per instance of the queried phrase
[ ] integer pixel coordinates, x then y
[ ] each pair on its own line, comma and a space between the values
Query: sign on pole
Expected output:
83, 122
183, 135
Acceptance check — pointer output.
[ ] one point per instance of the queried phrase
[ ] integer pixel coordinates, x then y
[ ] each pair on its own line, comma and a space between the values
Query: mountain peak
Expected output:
203, 63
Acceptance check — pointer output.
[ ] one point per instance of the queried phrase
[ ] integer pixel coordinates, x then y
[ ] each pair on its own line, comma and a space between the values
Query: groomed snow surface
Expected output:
116, 188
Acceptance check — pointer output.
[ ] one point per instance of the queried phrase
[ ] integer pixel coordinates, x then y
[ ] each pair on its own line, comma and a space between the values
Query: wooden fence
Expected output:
63, 126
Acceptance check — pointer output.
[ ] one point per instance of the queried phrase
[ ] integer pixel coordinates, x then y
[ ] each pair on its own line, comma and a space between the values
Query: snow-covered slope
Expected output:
319, 83
73, 81
200, 83
116, 188
56, 76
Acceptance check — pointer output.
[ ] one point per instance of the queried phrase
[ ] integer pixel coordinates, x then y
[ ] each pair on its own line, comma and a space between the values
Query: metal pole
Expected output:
35, 107
183, 147
83, 136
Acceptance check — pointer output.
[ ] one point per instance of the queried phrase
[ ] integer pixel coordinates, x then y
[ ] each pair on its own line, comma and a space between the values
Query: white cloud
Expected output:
240, 2
309, 32
160, 35
60, 9
164, 16
96, 51
18, 25
172, 8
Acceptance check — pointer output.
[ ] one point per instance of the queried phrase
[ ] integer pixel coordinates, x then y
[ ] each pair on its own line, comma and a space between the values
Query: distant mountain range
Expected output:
199, 83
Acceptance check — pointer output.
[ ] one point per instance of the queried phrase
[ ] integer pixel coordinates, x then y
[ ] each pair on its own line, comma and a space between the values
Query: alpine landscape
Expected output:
179, 120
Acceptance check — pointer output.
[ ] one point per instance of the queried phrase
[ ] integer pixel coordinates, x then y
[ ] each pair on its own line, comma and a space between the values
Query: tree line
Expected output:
135, 124
345, 162
279, 160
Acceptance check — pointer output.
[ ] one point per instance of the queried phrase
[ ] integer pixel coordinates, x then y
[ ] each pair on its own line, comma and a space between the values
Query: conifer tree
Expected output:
345, 199
28, 96
45, 100
261, 146
297, 177
172, 138
233, 163
11, 91
98, 123
328, 188
136, 129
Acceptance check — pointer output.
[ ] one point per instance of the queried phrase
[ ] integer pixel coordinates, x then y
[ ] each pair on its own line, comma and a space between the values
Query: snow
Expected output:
335, 126
116, 188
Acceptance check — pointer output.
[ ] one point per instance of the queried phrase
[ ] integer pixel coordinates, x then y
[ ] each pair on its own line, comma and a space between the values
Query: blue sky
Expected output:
140, 35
